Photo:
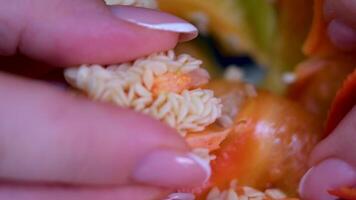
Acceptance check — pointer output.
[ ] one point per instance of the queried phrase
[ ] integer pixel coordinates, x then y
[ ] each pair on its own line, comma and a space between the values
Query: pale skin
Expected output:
86, 149
54, 145
334, 159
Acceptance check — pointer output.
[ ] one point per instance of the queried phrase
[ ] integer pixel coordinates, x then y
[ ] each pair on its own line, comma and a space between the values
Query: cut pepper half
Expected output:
317, 81
344, 193
344, 101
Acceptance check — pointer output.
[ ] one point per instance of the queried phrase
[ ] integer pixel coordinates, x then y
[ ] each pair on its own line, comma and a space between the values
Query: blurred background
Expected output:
262, 39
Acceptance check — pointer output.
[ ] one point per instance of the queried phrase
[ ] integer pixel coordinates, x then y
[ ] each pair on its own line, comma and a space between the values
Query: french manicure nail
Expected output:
342, 35
180, 196
167, 168
302, 183
329, 174
157, 20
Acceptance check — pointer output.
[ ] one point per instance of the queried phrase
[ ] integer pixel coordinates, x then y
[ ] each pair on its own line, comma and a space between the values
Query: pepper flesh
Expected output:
268, 145
318, 43
317, 82
345, 100
344, 193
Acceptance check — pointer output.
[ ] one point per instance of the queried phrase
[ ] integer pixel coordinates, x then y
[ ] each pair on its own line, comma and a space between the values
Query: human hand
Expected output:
333, 161
54, 145
341, 15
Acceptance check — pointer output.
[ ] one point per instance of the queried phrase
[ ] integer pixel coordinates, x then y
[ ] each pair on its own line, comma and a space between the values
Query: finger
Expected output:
342, 35
339, 144
47, 135
344, 10
334, 162
329, 174
67, 32
342, 27
45, 193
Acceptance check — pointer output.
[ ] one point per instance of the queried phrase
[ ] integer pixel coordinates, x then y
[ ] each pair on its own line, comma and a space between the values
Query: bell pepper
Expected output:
344, 101
317, 82
268, 145
240, 26
319, 46
344, 193
293, 24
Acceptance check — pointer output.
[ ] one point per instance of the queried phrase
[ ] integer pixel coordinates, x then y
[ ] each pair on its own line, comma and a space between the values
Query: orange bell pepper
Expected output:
258, 152
317, 82
344, 193
318, 43
345, 100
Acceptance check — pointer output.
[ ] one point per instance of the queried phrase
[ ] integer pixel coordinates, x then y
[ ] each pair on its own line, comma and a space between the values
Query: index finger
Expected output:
66, 32
47, 135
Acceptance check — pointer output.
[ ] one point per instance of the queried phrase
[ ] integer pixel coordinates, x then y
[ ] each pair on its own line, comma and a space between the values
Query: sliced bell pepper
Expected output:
318, 43
210, 138
344, 193
317, 82
293, 24
268, 146
240, 26
344, 101
319, 78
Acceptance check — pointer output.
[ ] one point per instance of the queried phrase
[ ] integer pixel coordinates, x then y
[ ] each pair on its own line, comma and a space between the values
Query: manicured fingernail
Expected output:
329, 9
157, 20
329, 174
168, 168
302, 183
342, 35
180, 196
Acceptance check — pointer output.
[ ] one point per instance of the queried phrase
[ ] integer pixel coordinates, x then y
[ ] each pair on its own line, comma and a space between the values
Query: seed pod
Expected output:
161, 85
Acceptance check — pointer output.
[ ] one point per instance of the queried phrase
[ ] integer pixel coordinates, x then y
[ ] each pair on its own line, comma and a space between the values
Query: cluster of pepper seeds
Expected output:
234, 192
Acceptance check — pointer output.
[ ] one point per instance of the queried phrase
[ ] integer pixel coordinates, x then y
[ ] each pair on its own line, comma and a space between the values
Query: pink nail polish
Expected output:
302, 183
167, 168
342, 35
180, 196
329, 9
329, 174
157, 20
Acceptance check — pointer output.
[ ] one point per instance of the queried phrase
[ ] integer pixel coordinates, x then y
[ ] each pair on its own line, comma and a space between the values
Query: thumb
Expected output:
327, 175
49, 136
67, 32
341, 17
334, 162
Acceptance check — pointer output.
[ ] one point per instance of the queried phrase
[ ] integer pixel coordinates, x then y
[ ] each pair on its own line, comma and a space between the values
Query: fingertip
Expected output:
88, 32
97, 39
42, 192
66, 138
342, 35
329, 174
172, 169
322, 150
156, 20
